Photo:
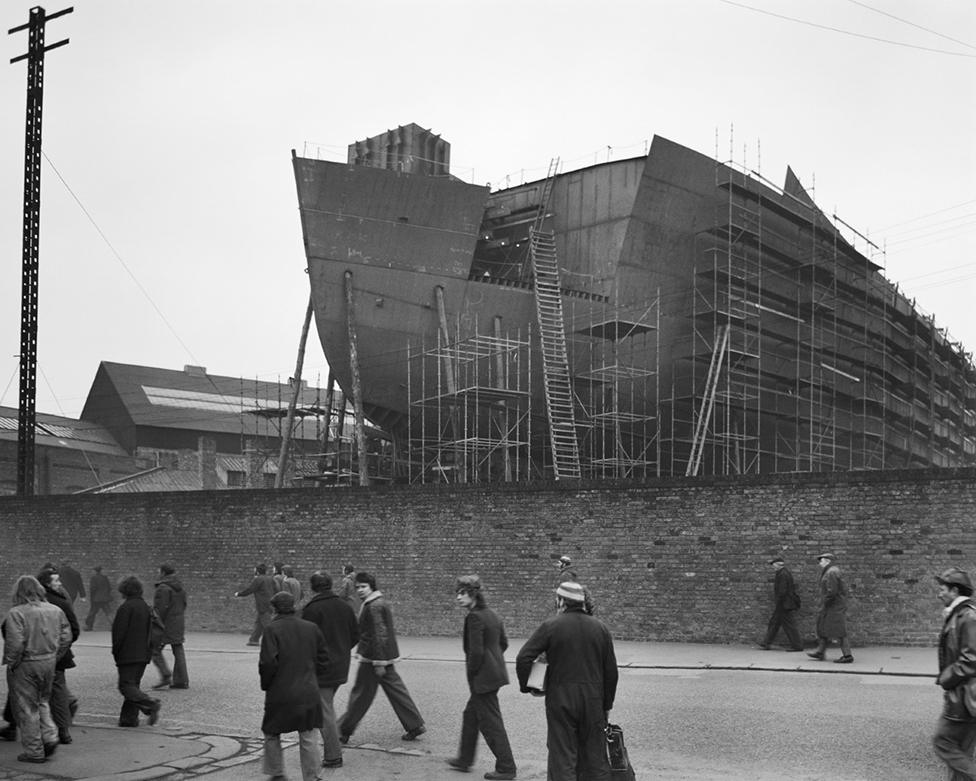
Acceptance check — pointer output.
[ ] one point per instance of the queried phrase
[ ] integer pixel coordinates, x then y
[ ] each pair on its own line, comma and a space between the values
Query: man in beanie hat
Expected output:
567, 572
832, 618
784, 612
955, 734
293, 655
484, 653
581, 684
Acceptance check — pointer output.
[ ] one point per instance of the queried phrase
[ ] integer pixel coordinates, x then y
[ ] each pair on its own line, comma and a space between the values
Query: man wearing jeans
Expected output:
36, 634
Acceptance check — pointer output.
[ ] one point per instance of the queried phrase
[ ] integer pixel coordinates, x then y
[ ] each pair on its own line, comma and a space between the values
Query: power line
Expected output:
118, 257
847, 32
911, 24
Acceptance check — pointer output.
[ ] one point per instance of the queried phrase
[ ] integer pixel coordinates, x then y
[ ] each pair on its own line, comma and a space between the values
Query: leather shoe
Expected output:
64, 737
31, 758
494, 774
164, 684
413, 734
344, 739
179, 686
845, 659
50, 748
457, 764
764, 646
128, 723
816, 655
793, 650
154, 712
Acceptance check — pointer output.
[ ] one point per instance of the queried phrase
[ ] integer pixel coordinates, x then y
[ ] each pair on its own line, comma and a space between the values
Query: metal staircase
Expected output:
552, 333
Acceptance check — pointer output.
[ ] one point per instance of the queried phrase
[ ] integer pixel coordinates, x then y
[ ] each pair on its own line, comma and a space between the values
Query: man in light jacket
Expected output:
377, 652
484, 654
36, 634
955, 735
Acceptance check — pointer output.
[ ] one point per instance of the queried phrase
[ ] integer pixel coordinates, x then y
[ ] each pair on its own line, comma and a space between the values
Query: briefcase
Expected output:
537, 677
620, 767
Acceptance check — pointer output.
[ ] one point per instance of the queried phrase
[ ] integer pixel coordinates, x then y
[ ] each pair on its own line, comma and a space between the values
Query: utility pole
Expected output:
32, 226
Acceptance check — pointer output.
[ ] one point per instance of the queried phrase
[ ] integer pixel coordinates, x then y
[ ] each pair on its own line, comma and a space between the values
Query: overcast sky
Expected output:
169, 224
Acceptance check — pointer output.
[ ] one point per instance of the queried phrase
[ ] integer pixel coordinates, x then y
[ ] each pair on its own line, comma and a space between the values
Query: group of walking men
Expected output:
38, 633
305, 657
831, 617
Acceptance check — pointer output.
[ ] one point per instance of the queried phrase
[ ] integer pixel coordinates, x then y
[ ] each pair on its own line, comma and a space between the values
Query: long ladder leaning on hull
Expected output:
552, 334
708, 400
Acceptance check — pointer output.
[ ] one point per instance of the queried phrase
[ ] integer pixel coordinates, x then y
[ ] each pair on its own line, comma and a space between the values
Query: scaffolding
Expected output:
615, 380
803, 356
470, 415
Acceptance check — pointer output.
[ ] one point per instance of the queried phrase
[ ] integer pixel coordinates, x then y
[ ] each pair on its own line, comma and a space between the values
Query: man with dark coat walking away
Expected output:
784, 612
131, 649
99, 598
263, 587
338, 624
170, 604
832, 619
484, 653
64, 704
293, 655
955, 735
581, 685
377, 652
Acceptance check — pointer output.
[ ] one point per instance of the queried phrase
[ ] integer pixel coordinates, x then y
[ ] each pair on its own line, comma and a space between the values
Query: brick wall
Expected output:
677, 559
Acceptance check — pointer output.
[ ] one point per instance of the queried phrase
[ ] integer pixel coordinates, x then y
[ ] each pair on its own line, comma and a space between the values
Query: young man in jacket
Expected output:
377, 652
339, 627
955, 735
784, 612
293, 655
484, 654
170, 603
36, 633
132, 652
581, 685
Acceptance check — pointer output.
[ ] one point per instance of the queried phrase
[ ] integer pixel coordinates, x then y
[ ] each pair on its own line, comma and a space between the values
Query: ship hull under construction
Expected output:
714, 323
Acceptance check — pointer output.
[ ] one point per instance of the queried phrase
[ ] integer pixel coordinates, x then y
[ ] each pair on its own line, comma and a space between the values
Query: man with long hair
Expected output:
132, 651
484, 654
37, 633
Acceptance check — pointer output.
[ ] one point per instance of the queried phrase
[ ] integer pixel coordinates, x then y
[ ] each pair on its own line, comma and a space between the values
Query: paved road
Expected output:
689, 712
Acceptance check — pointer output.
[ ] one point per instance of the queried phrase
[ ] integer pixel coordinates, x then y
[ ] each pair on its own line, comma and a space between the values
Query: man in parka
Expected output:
64, 704
484, 654
99, 597
170, 603
338, 624
832, 619
581, 684
955, 735
784, 611
293, 655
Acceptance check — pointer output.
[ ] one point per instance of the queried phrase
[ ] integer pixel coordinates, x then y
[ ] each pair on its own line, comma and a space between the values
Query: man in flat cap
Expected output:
787, 601
955, 734
581, 684
293, 655
484, 654
832, 618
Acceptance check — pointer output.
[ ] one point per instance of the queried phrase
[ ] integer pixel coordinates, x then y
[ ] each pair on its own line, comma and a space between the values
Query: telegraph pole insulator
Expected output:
32, 225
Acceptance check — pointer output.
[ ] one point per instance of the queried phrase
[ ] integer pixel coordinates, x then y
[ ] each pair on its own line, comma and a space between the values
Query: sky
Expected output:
170, 232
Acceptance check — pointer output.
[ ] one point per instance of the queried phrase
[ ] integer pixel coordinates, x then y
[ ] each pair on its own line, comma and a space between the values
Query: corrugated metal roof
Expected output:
193, 399
58, 431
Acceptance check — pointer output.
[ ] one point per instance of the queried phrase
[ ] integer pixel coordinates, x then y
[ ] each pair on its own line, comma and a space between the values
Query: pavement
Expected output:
103, 752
